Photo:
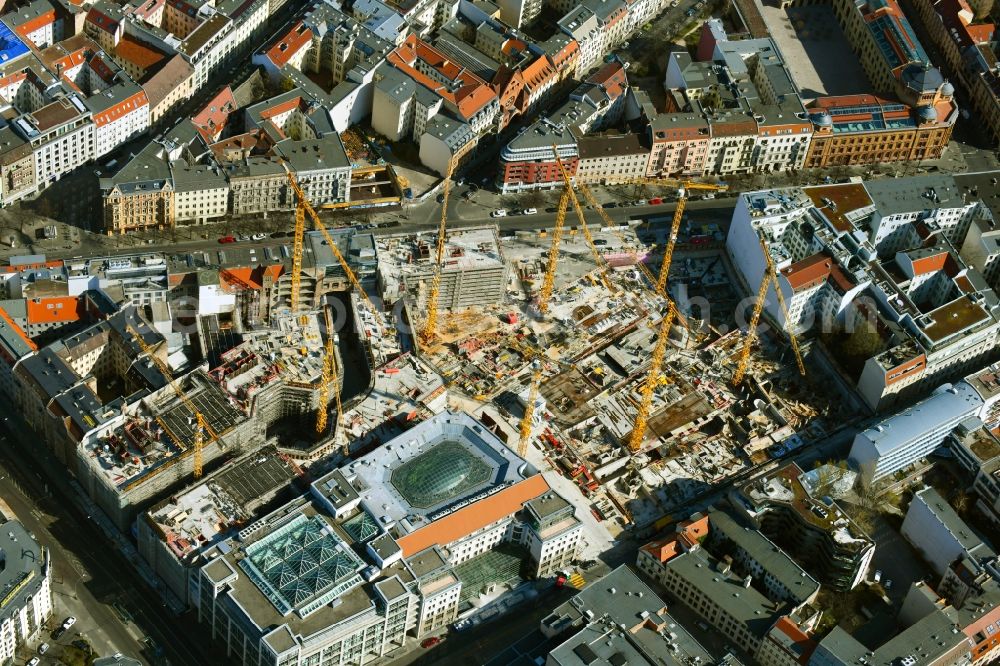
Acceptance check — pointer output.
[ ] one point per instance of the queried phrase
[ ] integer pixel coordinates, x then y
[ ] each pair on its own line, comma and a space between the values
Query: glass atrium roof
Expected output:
302, 566
443, 473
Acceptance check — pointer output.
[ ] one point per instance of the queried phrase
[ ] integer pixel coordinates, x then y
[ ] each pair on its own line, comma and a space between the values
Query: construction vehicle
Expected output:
201, 426
303, 208
428, 333
770, 278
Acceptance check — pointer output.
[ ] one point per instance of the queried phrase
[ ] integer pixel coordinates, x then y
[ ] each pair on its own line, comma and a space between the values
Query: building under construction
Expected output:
473, 271
258, 394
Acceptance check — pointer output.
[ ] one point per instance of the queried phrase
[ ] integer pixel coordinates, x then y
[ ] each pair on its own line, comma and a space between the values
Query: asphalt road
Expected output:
76, 585
90, 573
422, 218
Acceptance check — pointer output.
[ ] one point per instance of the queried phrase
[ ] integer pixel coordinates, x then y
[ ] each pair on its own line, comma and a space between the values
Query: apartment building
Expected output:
864, 129
528, 160
18, 177
26, 607
904, 438
977, 450
967, 48
169, 85
61, 135
591, 626
320, 165
39, 23
678, 145
612, 157
141, 195
582, 26
257, 185
710, 588
827, 278
981, 250
201, 193
786, 507
464, 94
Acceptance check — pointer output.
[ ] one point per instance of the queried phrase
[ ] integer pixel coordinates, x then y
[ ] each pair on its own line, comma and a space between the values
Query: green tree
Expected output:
982, 8
864, 342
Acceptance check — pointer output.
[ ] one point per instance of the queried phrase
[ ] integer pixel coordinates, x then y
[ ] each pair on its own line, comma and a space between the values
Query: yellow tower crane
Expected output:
545, 293
300, 227
652, 379
529, 409
599, 260
302, 203
201, 427
430, 325
770, 278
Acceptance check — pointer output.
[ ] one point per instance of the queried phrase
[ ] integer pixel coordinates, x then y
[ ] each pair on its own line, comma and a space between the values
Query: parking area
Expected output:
896, 559
816, 51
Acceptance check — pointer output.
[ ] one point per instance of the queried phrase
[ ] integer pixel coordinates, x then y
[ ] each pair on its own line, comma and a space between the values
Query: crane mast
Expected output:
430, 325
550, 272
201, 427
306, 207
529, 409
652, 378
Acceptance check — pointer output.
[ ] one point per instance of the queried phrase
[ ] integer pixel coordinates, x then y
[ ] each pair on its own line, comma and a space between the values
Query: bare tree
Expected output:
983, 9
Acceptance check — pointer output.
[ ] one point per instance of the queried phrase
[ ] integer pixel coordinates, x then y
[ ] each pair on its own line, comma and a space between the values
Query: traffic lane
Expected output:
428, 218
112, 577
74, 591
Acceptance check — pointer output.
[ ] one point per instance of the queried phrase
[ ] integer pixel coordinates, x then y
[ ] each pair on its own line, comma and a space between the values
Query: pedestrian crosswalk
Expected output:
577, 581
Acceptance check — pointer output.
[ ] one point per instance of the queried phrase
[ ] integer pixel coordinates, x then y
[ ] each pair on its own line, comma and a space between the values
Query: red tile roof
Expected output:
138, 53
212, 118
805, 644
930, 264
289, 44
56, 310
808, 273
123, 108
474, 517
469, 94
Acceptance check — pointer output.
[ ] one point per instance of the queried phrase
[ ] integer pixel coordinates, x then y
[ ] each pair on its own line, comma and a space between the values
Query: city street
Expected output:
91, 578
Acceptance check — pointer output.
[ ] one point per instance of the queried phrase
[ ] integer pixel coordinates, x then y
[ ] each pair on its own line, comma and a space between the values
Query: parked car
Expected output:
43, 648
529, 211
227, 239
500, 212
655, 201
57, 633
610, 204
258, 237
34, 661
243, 238
439, 198
430, 642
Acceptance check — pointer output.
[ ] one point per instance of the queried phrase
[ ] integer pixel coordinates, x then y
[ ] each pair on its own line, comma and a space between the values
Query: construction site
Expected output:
610, 353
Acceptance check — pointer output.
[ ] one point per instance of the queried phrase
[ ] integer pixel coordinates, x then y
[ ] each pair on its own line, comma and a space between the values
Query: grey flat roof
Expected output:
314, 154
948, 402
906, 195
744, 604
946, 515
774, 560
23, 569
621, 598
